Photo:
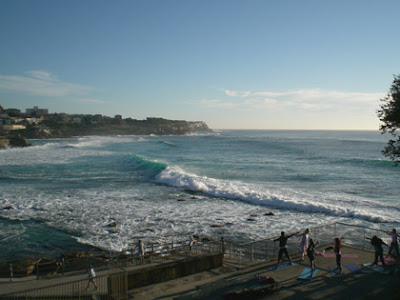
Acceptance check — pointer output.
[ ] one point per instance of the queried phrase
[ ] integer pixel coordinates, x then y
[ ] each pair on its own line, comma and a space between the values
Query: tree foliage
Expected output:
389, 114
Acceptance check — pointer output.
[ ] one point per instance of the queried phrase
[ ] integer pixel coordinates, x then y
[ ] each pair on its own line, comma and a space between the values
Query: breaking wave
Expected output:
330, 204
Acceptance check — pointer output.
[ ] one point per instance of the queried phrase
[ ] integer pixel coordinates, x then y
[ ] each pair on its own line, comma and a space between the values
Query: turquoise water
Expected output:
166, 188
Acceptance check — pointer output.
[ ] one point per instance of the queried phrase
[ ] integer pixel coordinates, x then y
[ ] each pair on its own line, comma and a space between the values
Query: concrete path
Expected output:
234, 278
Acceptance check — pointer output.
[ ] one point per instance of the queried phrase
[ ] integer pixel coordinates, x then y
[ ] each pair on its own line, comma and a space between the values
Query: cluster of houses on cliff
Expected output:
39, 123
14, 119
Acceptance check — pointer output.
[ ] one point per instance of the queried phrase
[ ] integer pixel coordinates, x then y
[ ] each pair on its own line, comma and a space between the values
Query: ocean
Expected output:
63, 194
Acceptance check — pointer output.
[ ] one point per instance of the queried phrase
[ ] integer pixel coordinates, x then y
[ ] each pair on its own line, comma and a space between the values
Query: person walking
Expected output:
92, 276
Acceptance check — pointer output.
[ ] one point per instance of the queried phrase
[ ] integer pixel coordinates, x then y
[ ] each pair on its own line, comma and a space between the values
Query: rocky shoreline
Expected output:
13, 142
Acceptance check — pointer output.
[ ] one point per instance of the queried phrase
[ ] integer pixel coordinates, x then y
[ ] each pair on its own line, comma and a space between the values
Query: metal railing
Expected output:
267, 249
81, 260
112, 285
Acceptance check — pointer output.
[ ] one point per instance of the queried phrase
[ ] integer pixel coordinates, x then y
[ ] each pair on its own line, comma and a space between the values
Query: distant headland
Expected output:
16, 127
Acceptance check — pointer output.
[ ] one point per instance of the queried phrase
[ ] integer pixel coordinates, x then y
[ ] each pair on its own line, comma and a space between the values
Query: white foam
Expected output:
49, 153
330, 204
86, 213
100, 141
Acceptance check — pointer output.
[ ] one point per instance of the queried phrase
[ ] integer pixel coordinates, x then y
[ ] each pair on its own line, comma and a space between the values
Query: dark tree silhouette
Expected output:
389, 114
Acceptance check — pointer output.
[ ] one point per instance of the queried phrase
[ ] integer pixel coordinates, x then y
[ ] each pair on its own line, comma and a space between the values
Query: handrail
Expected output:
272, 238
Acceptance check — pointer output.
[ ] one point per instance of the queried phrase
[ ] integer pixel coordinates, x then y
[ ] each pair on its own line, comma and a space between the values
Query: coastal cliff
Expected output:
16, 127
157, 126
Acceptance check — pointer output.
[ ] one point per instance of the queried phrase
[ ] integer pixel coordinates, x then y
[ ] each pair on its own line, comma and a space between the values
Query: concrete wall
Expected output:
169, 271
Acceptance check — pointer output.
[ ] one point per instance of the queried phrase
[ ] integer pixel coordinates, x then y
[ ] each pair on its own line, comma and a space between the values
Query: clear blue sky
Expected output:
233, 64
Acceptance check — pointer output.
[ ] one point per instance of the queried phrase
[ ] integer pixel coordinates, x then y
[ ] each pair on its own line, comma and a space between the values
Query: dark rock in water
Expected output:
150, 229
8, 207
112, 224
181, 200
194, 197
253, 216
216, 225
251, 220
19, 142
229, 223
76, 254
269, 214
38, 208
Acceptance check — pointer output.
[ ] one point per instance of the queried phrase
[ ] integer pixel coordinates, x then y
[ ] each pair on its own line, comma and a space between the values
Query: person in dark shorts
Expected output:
283, 246
311, 254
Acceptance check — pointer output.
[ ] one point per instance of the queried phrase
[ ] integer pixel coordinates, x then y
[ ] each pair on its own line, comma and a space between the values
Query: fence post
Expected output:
11, 272
37, 270
363, 245
62, 266
334, 230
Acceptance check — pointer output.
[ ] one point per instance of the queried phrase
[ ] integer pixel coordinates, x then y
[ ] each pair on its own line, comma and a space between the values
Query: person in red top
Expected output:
338, 251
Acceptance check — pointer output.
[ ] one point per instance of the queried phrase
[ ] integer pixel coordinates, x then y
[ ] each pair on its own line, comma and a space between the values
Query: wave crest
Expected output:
140, 164
258, 195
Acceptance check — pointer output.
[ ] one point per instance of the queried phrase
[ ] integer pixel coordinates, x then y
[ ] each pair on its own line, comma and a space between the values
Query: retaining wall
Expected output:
173, 270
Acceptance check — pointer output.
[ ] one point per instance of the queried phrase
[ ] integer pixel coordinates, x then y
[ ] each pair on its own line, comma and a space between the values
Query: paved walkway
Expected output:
77, 280
234, 278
